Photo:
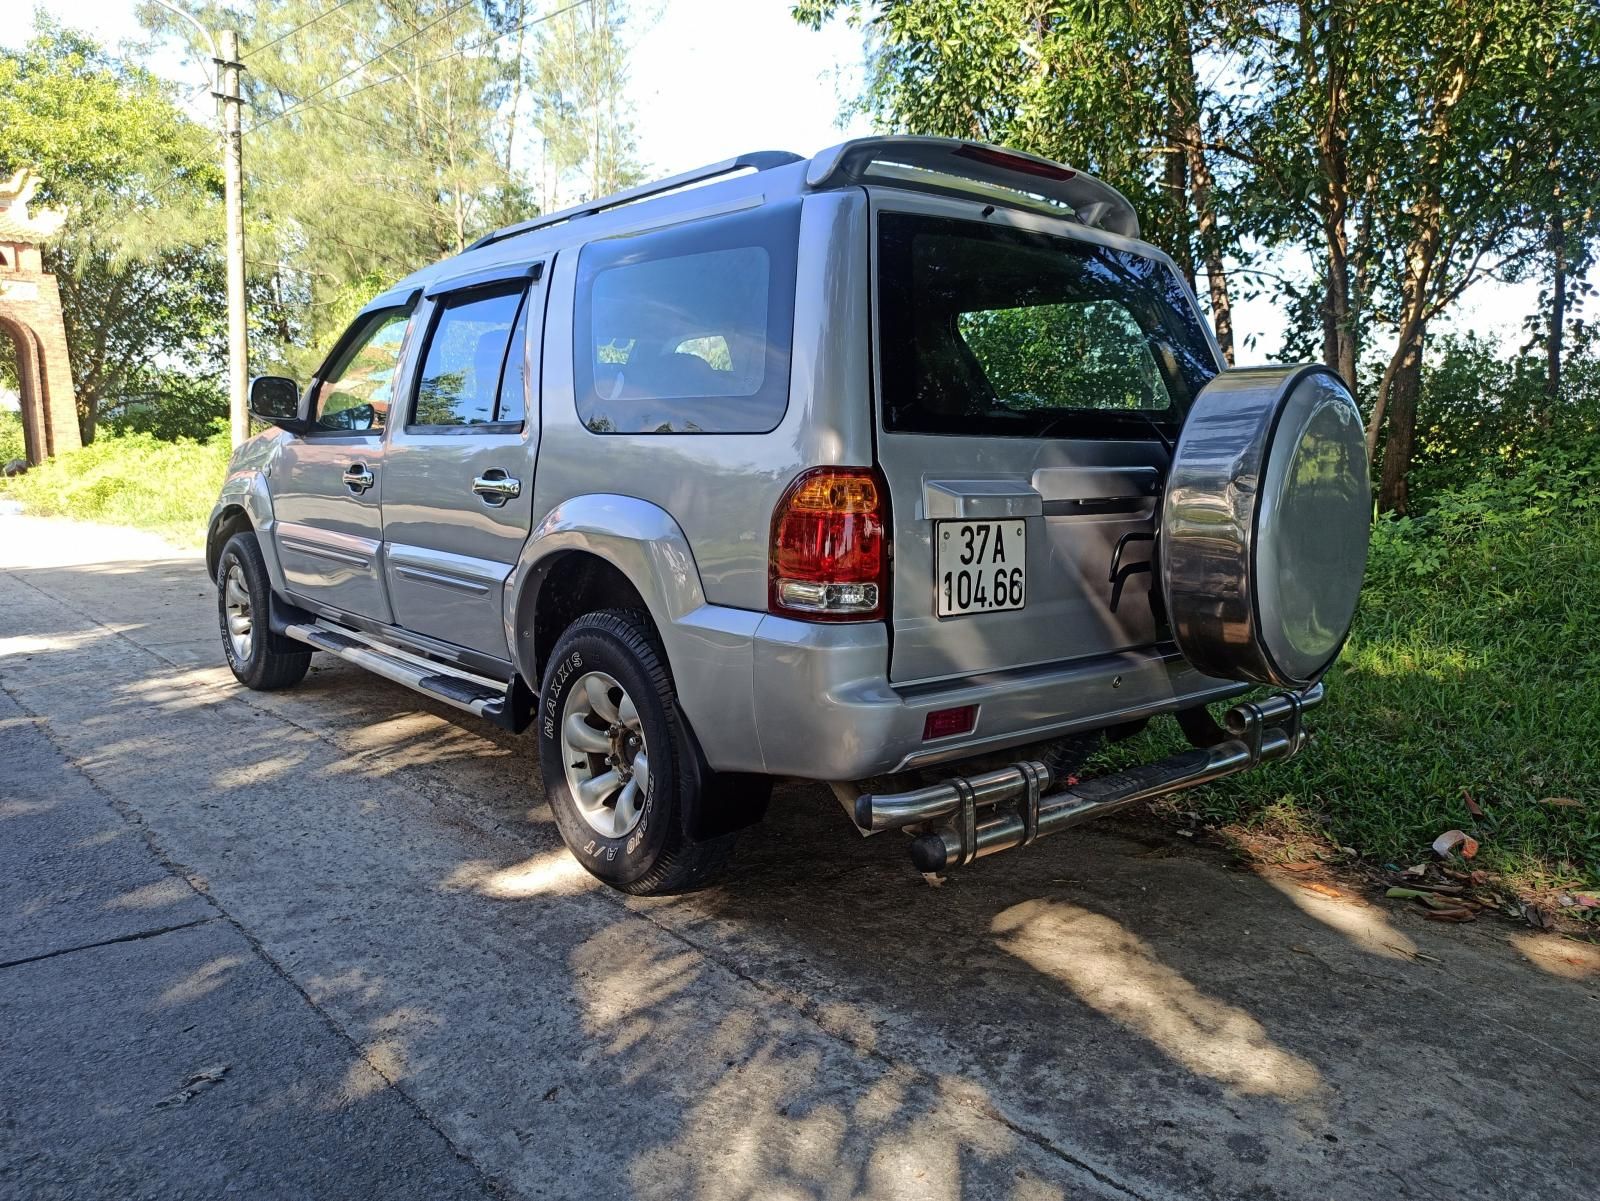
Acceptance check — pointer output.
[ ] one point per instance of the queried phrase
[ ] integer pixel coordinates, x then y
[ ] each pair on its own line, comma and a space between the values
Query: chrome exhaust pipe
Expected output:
1260, 730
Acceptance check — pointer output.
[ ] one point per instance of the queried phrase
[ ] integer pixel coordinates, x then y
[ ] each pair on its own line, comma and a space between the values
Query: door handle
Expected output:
358, 477
496, 487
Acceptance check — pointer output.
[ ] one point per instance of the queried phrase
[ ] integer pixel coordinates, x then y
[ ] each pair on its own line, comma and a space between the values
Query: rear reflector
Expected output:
830, 554
942, 723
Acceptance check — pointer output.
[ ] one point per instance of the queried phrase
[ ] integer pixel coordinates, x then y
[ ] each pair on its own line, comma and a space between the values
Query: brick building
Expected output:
30, 316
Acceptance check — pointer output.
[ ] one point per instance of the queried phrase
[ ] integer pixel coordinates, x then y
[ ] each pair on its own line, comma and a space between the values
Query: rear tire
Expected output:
259, 658
621, 771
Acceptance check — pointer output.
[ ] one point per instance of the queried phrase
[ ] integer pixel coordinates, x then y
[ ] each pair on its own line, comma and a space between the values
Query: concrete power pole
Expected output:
233, 199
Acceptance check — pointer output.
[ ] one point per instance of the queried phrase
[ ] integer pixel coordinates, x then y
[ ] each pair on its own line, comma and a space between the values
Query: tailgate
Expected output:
1029, 384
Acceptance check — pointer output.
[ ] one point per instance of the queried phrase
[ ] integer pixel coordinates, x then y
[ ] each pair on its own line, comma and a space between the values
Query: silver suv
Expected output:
907, 467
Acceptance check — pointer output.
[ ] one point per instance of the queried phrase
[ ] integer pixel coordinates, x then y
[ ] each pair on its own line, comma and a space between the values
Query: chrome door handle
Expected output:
358, 477
496, 487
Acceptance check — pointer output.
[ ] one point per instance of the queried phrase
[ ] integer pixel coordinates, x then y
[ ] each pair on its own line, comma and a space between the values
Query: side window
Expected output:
356, 389
460, 381
688, 329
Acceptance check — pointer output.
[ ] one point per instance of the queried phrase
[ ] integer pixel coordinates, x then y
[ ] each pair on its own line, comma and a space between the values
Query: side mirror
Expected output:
275, 399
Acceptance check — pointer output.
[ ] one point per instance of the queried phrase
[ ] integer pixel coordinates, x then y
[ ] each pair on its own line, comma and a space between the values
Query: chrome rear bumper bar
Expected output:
996, 810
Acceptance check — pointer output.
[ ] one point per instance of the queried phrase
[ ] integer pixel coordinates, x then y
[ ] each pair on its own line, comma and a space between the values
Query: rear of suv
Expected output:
908, 468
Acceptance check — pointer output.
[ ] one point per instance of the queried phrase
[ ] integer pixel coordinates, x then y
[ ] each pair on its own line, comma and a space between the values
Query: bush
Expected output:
130, 479
12, 444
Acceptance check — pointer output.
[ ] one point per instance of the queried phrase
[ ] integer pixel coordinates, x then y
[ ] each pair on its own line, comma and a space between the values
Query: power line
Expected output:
428, 63
444, 16
303, 25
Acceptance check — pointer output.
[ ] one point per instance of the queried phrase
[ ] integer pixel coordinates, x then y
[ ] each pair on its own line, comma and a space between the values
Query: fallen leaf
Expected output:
1416, 869
1326, 890
1300, 867
1472, 806
1450, 915
1405, 894
1452, 840
1479, 876
1562, 802
1586, 900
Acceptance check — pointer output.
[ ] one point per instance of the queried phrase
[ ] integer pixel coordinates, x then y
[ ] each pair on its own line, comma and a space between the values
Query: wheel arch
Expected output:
599, 551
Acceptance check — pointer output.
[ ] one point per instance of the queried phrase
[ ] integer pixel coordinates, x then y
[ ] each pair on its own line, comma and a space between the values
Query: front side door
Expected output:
459, 487
327, 487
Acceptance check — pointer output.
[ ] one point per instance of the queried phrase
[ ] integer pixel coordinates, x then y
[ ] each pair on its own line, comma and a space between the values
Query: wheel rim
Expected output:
237, 620
603, 751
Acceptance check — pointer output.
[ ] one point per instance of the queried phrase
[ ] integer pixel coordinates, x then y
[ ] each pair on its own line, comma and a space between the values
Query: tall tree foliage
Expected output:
1410, 148
579, 76
138, 296
1112, 87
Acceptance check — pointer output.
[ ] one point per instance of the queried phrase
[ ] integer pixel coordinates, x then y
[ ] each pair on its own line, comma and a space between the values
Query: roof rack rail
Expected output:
952, 164
758, 160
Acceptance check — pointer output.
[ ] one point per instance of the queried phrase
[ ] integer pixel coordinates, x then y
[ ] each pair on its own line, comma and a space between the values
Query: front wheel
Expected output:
620, 770
259, 658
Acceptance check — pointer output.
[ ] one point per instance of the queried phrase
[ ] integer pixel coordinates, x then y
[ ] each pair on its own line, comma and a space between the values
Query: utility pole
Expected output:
228, 67
225, 87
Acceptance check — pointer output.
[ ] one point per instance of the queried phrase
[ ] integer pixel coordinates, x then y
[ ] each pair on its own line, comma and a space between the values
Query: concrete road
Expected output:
326, 943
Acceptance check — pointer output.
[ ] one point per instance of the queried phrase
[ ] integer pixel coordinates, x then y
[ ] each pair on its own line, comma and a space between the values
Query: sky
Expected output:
714, 78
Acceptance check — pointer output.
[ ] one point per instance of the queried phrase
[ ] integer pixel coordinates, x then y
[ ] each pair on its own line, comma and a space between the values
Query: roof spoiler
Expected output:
948, 164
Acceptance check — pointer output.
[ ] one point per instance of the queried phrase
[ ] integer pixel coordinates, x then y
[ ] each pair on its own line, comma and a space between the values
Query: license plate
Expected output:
982, 566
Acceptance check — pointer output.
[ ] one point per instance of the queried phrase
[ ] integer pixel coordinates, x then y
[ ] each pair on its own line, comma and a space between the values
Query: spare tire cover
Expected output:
1265, 518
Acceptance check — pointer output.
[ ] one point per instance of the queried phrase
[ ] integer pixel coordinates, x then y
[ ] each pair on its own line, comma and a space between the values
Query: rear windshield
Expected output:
994, 331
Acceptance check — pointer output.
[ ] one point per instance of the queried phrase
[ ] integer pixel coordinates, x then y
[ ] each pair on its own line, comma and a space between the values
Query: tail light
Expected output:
830, 546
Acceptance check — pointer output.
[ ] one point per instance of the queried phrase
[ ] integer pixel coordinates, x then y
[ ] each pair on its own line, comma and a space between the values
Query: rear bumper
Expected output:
823, 707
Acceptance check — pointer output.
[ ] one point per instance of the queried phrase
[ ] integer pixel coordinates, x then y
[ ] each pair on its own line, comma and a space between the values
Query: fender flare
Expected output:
640, 539
245, 490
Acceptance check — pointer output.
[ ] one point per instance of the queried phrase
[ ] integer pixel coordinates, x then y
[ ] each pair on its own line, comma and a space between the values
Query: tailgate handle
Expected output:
979, 500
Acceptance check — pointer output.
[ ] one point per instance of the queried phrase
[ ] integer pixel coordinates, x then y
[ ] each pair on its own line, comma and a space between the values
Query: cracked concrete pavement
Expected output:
326, 942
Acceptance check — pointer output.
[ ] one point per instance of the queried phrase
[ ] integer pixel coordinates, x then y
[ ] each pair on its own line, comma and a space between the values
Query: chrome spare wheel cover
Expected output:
1265, 520
603, 751
236, 604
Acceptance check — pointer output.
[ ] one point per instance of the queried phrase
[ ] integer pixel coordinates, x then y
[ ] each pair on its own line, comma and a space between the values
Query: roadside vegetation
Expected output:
133, 479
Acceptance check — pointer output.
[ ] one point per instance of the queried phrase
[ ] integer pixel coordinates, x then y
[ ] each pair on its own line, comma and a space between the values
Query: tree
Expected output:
1110, 87
106, 137
578, 78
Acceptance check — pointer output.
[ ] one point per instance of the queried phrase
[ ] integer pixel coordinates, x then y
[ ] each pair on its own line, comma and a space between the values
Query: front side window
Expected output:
355, 391
688, 330
466, 360
991, 330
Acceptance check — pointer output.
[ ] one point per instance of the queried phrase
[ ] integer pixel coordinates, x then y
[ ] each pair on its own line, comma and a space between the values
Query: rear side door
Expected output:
327, 488
1030, 378
459, 486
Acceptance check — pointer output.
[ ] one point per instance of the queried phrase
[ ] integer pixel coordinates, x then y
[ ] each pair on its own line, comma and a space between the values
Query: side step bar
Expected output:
469, 693
1257, 732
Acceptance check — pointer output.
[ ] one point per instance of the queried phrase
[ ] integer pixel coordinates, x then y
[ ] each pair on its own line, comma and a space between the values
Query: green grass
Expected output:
131, 479
1474, 667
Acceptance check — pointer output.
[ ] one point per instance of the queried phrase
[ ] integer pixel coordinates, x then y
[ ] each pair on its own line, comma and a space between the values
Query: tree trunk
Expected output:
1186, 96
1405, 386
1333, 153
1558, 302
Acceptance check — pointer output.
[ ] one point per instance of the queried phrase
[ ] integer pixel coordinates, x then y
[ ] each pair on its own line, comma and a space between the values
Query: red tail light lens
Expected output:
830, 547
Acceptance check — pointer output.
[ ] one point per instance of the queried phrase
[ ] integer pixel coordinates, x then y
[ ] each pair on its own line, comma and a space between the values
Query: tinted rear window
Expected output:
687, 330
989, 330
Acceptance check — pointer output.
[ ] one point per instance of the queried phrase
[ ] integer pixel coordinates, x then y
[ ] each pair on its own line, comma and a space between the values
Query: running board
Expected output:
482, 697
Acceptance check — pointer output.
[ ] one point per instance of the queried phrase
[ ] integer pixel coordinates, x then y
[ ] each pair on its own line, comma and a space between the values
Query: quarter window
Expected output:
688, 330
355, 391
460, 381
